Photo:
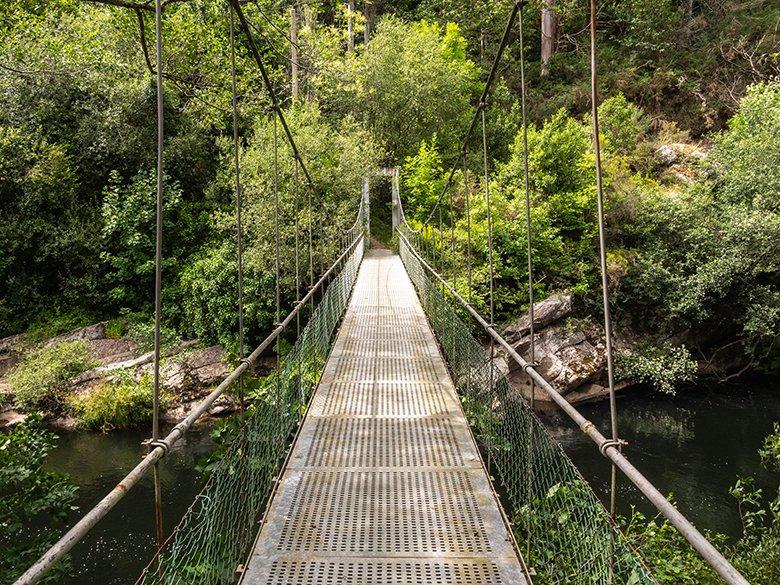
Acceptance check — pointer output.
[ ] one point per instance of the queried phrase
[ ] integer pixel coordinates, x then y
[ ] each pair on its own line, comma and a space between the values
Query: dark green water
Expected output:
694, 445
120, 546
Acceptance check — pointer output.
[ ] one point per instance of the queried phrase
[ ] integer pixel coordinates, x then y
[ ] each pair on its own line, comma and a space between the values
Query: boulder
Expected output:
88, 333
667, 155
199, 369
550, 310
11, 417
111, 351
208, 366
11, 344
567, 355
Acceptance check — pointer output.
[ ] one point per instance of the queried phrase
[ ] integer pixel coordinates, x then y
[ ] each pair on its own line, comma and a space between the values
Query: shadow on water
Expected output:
694, 445
120, 546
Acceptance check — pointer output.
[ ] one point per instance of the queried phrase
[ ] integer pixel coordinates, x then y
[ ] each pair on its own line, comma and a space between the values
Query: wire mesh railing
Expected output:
212, 538
564, 531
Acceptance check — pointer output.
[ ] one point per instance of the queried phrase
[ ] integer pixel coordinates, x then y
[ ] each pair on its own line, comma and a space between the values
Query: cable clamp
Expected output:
154, 443
586, 426
611, 443
529, 365
244, 360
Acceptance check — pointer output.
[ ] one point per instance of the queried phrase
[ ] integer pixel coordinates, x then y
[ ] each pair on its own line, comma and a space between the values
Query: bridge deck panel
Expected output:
384, 484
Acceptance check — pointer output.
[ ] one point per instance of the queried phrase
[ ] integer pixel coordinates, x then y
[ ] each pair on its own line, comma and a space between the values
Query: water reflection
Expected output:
694, 445
119, 547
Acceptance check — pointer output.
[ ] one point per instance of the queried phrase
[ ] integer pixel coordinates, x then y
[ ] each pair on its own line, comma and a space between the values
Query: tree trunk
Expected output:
310, 22
368, 11
294, 51
351, 26
549, 34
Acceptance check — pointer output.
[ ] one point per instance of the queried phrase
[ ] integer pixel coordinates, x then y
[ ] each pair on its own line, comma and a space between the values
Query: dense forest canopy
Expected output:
693, 243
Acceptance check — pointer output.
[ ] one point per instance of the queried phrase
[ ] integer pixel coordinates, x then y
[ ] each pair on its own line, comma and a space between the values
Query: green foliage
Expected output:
28, 492
622, 125
668, 555
40, 381
662, 367
770, 451
209, 285
747, 155
129, 235
422, 179
120, 404
414, 81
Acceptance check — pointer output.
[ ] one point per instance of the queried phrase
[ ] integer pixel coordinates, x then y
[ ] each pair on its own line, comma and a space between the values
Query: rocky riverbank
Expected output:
189, 372
570, 353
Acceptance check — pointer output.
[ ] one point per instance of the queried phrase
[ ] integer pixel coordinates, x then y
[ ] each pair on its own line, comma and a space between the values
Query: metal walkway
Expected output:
384, 484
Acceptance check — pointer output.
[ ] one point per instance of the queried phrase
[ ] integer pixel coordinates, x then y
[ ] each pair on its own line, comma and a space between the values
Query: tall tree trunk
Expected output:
368, 11
549, 34
351, 26
309, 22
294, 51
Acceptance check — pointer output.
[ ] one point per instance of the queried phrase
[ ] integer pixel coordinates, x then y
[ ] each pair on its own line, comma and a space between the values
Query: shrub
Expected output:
622, 125
120, 404
41, 379
747, 155
28, 492
661, 367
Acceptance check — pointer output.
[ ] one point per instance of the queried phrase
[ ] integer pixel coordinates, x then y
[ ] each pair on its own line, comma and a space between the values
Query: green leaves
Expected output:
40, 381
27, 492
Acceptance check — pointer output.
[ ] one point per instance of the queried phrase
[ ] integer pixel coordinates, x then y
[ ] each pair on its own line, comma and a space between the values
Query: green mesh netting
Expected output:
214, 535
572, 538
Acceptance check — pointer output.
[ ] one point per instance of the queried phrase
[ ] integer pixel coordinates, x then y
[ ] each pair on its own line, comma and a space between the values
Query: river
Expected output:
694, 445
119, 547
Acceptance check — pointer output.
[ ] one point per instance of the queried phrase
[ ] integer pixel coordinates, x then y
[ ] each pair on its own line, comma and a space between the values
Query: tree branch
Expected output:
144, 48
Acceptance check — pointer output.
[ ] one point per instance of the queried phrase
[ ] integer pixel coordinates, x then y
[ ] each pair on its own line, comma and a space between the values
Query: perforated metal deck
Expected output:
384, 484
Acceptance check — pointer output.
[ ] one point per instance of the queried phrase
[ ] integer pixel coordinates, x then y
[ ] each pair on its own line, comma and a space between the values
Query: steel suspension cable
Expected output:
491, 274
276, 106
277, 262
239, 254
158, 519
296, 195
239, 204
467, 191
603, 251
481, 104
531, 332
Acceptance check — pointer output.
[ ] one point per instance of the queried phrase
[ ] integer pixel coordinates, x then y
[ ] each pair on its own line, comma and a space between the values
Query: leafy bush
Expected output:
40, 381
770, 451
747, 155
661, 367
422, 179
622, 125
120, 404
28, 492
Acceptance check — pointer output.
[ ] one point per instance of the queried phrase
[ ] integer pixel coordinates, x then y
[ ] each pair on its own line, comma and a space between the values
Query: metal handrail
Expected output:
607, 448
161, 447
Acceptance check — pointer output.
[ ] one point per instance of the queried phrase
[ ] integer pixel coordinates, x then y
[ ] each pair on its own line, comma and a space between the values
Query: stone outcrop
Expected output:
552, 309
570, 353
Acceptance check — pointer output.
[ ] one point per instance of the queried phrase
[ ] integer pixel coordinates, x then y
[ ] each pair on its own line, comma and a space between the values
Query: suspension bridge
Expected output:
389, 448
